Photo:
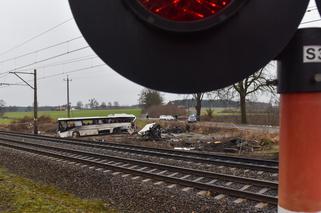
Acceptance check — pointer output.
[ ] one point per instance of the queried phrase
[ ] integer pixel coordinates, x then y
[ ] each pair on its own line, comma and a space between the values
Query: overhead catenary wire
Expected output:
72, 71
46, 59
71, 61
61, 74
36, 36
40, 50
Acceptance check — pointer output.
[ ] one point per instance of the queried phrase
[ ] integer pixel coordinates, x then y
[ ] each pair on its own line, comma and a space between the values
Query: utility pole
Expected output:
35, 104
35, 89
68, 95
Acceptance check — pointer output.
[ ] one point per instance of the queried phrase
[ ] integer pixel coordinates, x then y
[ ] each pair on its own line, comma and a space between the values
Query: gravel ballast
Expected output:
126, 193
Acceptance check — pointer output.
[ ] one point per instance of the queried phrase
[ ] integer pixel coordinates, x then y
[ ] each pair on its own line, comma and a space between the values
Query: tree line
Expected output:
259, 83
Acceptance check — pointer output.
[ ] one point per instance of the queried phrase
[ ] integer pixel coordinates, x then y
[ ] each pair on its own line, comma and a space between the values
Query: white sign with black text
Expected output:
312, 54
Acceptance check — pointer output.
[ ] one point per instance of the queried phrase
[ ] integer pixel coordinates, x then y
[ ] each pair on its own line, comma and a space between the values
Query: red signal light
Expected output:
185, 15
185, 10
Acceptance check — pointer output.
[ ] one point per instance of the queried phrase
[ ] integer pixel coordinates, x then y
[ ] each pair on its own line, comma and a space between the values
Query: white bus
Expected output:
90, 126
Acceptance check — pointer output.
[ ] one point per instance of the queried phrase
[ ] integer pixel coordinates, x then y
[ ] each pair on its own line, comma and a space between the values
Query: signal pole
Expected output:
299, 74
35, 103
68, 95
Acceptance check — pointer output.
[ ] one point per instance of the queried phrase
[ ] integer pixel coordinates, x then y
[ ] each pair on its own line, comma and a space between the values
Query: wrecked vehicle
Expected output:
151, 131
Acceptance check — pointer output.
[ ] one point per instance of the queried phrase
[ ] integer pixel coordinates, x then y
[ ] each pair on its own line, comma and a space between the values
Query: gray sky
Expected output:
21, 20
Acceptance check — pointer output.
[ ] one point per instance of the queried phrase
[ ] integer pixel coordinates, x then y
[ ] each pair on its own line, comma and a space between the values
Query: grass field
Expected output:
22, 195
11, 116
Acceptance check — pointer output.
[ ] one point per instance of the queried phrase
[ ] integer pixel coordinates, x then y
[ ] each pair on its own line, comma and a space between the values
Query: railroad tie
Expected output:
125, 175
162, 172
151, 171
262, 191
245, 187
239, 200
219, 197
187, 189
158, 183
184, 177
212, 181
171, 186
172, 175
146, 180
198, 179
261, 205
228, 183
141, 169
135, 178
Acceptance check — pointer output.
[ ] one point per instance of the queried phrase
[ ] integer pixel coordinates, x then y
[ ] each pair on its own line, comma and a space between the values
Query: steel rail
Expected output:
238, 162
180, 181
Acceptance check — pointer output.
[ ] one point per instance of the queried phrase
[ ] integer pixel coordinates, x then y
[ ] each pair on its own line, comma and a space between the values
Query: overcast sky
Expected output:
21, 20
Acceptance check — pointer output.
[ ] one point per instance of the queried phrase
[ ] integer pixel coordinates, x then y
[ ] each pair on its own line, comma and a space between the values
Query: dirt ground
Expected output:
198, 137
203, 136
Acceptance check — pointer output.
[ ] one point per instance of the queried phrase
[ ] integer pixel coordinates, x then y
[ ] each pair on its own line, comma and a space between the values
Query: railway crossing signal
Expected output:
187, 46
184, 47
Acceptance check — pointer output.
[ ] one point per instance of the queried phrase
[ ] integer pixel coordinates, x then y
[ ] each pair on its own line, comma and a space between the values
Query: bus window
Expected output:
62, 126
78, 124
87, 122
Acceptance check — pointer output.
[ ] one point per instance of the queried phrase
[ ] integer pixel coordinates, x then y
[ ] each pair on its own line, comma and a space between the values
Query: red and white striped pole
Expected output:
299, 70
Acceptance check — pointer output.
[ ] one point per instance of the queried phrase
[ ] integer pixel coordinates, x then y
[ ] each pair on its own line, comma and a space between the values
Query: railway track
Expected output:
246, 188
228, 161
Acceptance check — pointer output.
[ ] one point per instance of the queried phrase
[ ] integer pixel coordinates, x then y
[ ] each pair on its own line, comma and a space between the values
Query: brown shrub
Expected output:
254, 119
25, 124
170, 109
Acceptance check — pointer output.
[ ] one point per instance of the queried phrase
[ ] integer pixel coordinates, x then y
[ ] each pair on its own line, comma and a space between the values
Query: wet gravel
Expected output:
124, 193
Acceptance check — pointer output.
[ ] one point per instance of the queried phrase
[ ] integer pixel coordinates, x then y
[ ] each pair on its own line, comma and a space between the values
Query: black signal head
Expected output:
183, 54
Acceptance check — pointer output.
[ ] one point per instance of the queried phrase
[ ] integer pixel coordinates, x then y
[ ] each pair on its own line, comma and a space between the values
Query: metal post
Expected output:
68, 95
68, 101
35, 104
299, 71
35, 100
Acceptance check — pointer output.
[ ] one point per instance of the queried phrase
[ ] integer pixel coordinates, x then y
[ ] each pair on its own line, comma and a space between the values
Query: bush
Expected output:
210, 112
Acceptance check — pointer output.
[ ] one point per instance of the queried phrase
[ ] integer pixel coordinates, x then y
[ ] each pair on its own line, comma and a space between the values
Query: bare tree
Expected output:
93, 103
259, 82
198, 97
